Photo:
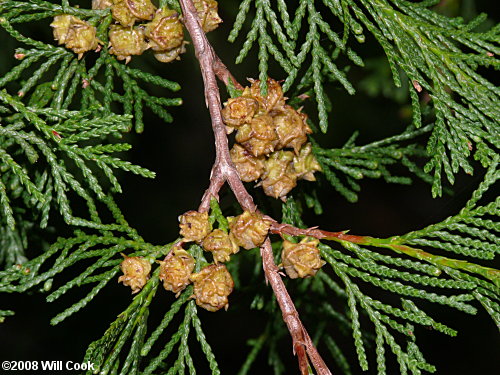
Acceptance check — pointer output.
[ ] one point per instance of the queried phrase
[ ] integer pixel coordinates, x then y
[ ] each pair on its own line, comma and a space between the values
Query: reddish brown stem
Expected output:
280, 228
224, 74
224, 170
393, 243
302, 343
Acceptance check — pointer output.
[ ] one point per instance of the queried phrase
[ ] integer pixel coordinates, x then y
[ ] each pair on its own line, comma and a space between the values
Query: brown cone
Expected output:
291, 128
207, 13
126, 12
74, 33
305, 164
249, 167
279, 177
175, 271
274, 100
194, 226
240, 110
212, 286
301, 259
165, 31
248, 230
126, 41
221, 245
135, 272
258, 137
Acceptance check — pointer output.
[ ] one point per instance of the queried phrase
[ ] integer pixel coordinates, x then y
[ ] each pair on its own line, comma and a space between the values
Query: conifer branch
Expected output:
302, 343
224, 170
55, 146
344, 168
393, 243
426, 50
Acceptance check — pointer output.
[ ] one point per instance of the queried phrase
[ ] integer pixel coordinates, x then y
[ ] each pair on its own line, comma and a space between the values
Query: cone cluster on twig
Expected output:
213, 283
138, 26
135, 272
266, 126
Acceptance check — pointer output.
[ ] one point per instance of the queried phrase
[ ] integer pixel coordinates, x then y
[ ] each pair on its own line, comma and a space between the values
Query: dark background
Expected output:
182, 153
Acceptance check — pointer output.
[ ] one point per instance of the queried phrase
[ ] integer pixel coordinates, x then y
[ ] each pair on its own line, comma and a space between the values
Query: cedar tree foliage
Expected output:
77, 85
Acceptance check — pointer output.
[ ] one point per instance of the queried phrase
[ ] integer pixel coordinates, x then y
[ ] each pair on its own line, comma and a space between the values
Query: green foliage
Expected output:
132, 325
107, 83
363, 265
438, 56
371, 161
65, 141
62, 124
469, 233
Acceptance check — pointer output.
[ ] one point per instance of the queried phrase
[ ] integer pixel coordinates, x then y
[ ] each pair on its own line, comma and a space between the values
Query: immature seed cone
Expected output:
76, 34
135, 272
221, 245
249, 167
240, 110
305, 164
121, 13
258, 137
126, 41
165, 31
62, 27
301, 259
101, 4
212, 285
175, 271
274, 99
291, 128
279, 177
248, 230
126, 12
194, 226
207, 13
171, 54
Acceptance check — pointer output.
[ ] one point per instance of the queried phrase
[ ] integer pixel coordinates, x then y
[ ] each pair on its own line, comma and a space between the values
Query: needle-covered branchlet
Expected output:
395, 244
135, 272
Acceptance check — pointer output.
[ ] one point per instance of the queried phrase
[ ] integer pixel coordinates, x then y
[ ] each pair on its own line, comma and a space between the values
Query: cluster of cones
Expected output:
213, 283
131, 34
265, 127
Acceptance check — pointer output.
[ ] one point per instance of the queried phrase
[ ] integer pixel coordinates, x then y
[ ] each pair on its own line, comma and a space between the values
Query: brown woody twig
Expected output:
302, 343
224, 170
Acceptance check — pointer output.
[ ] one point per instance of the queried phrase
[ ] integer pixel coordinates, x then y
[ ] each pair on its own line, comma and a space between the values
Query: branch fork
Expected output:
224, 171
